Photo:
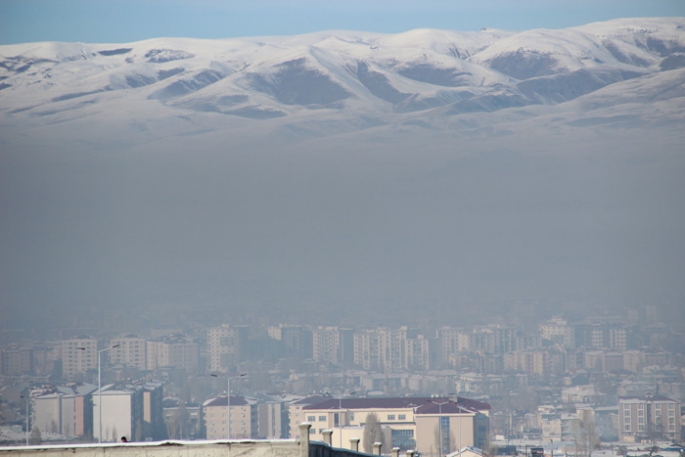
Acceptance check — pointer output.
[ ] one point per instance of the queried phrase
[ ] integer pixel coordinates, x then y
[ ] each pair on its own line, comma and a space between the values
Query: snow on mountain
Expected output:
354, 79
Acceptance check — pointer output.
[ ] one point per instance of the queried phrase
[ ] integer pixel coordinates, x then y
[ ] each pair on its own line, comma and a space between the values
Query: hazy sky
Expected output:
110, 197
132, 20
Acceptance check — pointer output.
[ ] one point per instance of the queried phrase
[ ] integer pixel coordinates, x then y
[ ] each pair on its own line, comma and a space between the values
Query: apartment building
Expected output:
215, 414
333, 344
453, 340
66, 410
558, 331
178, 351
270, 423
225, 346
297, 339
122, 413
609, 335
78, 356
129, 350
16, 360
649, 417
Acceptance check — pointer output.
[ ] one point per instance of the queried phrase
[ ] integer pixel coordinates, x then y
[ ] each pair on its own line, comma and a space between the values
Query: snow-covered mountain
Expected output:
345, 81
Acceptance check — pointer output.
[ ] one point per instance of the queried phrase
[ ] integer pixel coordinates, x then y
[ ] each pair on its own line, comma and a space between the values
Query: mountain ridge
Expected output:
390, 78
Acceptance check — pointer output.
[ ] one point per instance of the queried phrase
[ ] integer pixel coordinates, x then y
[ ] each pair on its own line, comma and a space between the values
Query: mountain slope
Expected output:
353, 79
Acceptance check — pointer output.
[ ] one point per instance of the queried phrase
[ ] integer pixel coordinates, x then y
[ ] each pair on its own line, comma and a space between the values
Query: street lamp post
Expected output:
440, 424
340, 415
228, 401
27, 398
100, 389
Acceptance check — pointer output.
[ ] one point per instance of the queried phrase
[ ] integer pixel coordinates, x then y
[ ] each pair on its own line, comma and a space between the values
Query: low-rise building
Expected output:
65, 410
649, 417
216, 418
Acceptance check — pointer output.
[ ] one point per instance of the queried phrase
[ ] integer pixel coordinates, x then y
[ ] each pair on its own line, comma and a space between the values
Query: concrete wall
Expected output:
162, 449
274, 448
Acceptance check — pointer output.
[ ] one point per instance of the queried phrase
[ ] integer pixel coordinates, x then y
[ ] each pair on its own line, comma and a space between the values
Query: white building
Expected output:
64, 410
122, 413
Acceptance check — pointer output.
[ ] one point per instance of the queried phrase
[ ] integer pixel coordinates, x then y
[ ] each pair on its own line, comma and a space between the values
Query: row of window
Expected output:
391, 417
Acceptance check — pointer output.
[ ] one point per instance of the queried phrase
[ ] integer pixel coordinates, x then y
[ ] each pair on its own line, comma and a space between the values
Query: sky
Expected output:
120, 21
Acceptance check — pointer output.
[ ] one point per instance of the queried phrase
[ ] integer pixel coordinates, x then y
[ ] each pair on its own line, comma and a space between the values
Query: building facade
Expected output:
649, 417
216, 419
78, 356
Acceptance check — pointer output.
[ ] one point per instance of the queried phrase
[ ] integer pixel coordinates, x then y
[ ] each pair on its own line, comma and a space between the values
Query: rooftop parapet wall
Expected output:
280, 448
262, 448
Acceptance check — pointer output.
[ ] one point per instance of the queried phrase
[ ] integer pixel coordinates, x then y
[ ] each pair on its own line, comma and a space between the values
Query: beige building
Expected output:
395, 413
224, 346
16, 360
297, 416
215, 415
269, 423
78, 356
458, 426
178, 351
389, 349
558, 331
129, 350
649, 417
400, 415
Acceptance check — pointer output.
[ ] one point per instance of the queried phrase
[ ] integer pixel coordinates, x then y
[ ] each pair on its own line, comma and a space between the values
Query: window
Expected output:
311, 418
321, 430
391, 417
627, 428
351, 417
322, 418
312, 431
402, 417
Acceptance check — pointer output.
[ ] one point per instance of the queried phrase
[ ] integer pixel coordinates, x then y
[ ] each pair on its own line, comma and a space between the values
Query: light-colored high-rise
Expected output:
224, 345
129, 350
78, 356
178, 351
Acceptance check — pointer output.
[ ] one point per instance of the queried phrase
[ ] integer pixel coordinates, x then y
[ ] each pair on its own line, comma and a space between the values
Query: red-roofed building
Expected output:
296, 414
400, 414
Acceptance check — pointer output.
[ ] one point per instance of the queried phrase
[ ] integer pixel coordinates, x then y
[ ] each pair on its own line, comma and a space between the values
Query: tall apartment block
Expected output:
129, 351
78, 356
224, 345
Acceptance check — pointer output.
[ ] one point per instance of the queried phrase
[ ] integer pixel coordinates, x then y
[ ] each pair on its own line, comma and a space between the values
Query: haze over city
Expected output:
344, 199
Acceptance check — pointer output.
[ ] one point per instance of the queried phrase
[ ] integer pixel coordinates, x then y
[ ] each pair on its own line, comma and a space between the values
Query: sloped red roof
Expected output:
393, 402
